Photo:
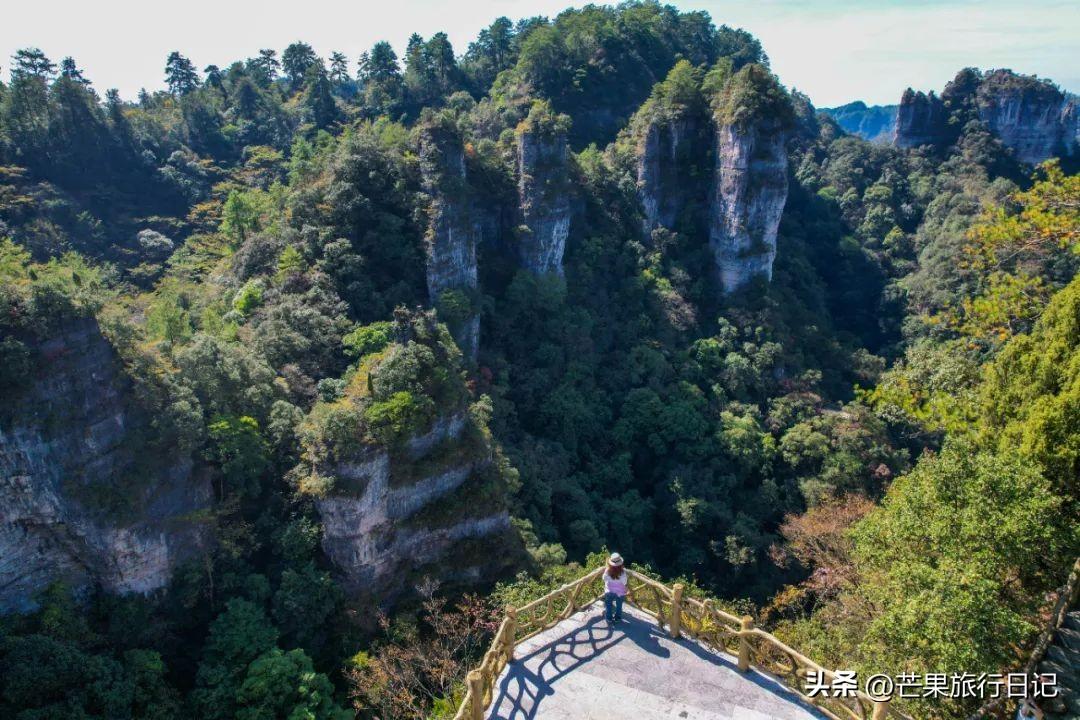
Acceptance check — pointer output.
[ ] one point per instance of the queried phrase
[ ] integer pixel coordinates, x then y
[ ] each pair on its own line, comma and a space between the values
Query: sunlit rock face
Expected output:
1033, 118
66, 443
749, 192
1030, 116
453, 228
383, 527
711, 165
543, 197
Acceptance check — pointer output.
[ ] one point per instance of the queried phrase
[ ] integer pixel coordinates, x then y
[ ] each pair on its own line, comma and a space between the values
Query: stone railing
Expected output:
700, 620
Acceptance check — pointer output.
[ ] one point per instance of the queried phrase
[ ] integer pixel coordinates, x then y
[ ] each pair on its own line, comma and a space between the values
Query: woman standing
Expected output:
615, 583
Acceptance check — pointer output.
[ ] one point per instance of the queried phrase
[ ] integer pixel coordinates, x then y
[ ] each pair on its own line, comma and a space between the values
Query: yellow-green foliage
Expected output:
1031, 397
751, 95
39, 296
1012, 250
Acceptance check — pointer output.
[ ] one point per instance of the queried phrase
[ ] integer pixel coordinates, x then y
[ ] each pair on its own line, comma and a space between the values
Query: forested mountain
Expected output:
876, 123
299, 340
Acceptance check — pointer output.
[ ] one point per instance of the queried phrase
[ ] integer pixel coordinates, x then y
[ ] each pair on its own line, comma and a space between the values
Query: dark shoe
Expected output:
618, 618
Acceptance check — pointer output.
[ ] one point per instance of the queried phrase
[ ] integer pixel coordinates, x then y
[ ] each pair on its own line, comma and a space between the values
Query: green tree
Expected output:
285, 685
239, 215
241, 453
31, 61
945, 558
322, 110
339, 67
296, 61
237, 637
180, 74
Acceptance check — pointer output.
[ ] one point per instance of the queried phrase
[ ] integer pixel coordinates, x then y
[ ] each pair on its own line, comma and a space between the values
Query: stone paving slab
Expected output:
585, 669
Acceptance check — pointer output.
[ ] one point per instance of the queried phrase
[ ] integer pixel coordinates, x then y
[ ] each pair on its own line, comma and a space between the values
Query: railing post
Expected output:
746, 625
476, 691
881, 710
511, 632
675, 626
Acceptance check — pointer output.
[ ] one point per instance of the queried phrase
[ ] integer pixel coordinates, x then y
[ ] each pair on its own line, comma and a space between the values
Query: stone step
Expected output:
1067, 638
1066, 672
1065, 657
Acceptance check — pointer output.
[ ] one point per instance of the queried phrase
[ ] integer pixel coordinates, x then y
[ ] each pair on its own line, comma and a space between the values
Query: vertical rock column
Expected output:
749, 191
660, 172
452, 234
543, 191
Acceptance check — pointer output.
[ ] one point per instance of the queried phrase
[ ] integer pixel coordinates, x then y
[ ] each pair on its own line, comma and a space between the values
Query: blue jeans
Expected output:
613, 606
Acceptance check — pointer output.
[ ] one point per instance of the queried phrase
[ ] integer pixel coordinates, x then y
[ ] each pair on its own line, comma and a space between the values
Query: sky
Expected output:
835, 51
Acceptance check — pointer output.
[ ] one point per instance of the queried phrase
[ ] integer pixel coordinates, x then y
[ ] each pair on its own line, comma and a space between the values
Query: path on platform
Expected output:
585, 669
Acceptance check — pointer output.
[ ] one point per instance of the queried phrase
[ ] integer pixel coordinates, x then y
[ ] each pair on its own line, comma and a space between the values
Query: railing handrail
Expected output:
543, 613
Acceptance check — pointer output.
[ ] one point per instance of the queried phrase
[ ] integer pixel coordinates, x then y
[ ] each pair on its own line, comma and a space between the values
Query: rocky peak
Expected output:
750, 190
716, 145
453, 231
67, 442
543, 190
920, 120
419, 495
1030, 116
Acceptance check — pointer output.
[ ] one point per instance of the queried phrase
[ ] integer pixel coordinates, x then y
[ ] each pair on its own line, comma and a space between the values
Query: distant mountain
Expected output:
875, 122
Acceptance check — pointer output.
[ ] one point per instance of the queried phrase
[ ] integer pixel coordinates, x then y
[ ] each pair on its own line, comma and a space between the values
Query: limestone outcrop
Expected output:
543, 190
749, 192
399, 516
1032, 117
717, 165
453, 232
404, 474
661, 172
78, 502
920, 120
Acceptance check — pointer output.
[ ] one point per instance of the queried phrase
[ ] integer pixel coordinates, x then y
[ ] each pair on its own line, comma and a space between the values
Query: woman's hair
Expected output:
614, 571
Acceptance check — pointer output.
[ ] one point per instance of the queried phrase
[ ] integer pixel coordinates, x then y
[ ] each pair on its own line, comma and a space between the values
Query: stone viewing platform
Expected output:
674, 656
585, 668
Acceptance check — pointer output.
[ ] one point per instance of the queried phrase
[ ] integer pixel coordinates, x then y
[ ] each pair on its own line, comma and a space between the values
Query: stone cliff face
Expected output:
544, 198
453, 228
395, 517
1033, 118
920, 120
749, 192
68, 440
1030, 116
717, 166
662, 181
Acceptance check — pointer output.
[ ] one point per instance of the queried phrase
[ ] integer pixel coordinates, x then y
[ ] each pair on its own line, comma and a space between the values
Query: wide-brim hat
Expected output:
615, 559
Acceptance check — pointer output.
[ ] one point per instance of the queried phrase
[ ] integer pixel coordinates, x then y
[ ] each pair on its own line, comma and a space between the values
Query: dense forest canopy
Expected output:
878, 446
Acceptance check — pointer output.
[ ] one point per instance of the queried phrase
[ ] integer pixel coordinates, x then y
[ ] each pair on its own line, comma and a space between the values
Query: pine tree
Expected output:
339, 67
266, 66
319, 102
31, 61
69, 70
180, 74
297, 59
